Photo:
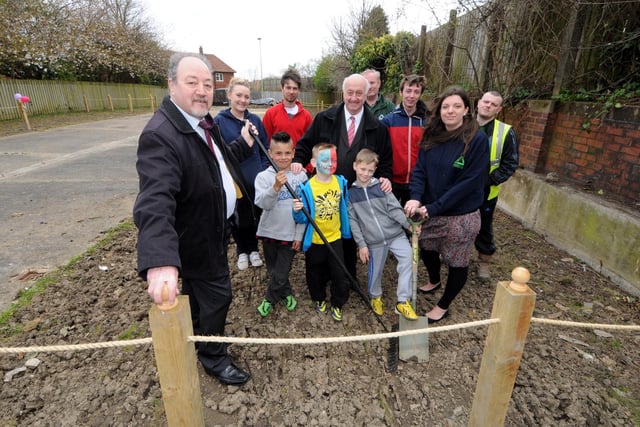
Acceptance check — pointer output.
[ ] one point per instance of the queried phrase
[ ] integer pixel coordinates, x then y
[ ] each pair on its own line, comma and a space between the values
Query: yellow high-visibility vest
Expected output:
500, 131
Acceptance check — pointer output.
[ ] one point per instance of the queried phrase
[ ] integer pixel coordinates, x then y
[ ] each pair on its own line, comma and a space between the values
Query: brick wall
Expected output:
605, 156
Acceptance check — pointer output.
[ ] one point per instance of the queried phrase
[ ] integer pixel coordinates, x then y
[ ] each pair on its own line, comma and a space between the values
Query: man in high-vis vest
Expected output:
503, 162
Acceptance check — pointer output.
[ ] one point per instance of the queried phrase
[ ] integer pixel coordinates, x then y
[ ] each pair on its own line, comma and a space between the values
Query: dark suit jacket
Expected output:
181, 208
329, 126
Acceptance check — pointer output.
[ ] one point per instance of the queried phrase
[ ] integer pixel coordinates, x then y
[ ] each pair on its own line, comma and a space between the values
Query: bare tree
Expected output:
103, 40
364, 23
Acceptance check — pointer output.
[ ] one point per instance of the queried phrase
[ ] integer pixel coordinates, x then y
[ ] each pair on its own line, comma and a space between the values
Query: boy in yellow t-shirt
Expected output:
324, 196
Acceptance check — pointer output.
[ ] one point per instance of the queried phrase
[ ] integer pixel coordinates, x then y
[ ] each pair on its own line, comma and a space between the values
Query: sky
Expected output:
291, 32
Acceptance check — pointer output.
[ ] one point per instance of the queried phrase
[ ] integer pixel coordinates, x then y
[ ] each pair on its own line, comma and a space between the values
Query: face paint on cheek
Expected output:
334, 161
326, 162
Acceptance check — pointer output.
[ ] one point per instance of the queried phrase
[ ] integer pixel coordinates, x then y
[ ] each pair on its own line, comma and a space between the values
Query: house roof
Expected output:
217, 64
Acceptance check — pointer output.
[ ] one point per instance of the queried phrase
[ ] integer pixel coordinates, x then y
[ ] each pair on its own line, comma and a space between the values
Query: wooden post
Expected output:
110, 102
566, 54
86, 103
130, 103
422, 52
176, 362
513, 305
451, 34
23, 111
151, 103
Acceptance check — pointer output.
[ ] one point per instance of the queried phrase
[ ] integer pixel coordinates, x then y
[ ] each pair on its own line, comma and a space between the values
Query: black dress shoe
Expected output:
231, 375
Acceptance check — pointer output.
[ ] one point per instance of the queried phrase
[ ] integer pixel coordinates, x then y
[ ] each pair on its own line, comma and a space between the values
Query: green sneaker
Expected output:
336, 313
376, 305
321, 306
265, 308
289, 302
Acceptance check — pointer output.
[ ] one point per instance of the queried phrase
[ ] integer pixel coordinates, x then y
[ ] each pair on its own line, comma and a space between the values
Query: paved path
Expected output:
60, 190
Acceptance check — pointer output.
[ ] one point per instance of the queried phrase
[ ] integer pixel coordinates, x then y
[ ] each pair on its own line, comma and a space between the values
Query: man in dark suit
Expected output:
189, 184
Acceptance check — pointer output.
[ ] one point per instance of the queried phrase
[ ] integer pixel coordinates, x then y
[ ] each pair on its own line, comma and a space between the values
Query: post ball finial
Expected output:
166, 305
519, 278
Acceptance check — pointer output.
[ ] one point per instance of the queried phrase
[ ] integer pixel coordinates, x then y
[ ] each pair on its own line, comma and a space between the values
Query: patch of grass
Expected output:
616, 344
623, 396
158, 409
125, 225
132, 332
25, 296
97, 330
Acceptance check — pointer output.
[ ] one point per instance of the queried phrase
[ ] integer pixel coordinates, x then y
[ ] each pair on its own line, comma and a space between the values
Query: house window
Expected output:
219, 77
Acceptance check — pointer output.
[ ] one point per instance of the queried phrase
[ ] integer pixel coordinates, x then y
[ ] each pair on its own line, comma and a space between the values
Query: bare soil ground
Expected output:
568, 376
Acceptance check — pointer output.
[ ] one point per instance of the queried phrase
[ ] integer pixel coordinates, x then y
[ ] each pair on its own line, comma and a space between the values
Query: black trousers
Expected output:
245, 225
278, 256
210, 300
350, 257
322, 267
484, 242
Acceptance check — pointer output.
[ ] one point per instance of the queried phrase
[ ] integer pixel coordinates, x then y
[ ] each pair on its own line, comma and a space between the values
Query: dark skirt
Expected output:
451, 236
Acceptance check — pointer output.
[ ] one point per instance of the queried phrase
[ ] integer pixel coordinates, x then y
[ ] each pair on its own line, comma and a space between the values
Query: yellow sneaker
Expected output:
376, 305
405, 309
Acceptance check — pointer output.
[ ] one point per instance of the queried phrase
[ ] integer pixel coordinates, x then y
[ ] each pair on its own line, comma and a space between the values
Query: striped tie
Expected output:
207, 126
204, 124
351, 132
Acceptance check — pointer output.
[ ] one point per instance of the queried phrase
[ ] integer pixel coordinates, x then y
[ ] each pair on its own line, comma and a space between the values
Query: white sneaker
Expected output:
243, 261
254, 257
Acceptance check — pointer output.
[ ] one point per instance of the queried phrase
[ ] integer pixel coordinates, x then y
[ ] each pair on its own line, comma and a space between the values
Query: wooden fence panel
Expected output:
56, 96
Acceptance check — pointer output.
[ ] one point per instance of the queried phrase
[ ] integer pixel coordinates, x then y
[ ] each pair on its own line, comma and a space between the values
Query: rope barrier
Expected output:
321, 340
239, 340
585, 325
72, 347
330, 340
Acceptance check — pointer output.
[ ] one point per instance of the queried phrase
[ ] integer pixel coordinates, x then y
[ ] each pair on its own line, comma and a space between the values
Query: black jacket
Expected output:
327, 127
181, 208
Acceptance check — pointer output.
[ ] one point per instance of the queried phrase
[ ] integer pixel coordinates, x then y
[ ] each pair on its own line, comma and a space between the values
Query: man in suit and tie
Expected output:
189, 183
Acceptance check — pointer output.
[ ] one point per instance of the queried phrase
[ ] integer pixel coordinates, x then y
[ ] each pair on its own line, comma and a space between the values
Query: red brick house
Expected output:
222, 75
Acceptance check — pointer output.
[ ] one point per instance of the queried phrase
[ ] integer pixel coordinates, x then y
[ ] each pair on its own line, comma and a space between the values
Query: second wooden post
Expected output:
513, 305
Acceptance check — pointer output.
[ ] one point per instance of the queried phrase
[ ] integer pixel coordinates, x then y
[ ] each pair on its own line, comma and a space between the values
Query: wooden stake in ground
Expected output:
513, 305
23, 111
176, 361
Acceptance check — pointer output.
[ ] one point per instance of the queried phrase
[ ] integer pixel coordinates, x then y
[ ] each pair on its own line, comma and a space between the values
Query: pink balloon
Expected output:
17, 96
24, 99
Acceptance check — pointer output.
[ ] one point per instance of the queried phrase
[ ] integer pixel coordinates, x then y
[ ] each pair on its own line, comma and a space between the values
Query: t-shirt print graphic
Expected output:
327, 205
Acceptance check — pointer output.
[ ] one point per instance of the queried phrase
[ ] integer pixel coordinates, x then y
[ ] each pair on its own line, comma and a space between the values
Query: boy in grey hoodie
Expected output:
377, 222
281, 236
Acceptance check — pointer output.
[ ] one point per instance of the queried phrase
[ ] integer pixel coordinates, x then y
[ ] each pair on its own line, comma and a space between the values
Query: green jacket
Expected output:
381, 107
